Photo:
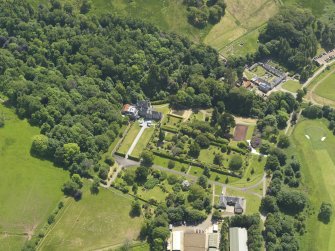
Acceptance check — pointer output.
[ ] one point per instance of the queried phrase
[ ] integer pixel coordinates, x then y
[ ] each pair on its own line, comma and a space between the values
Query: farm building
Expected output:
238, 238
213, 241
236, 202
177, 241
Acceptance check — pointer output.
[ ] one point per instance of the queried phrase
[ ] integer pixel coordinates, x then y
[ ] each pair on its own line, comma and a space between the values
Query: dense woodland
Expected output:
70, 73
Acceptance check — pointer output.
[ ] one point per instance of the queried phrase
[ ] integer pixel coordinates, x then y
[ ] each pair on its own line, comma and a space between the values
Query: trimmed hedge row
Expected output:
169, 129
213, 168
120, 154
134, 158
159, 102
176, 116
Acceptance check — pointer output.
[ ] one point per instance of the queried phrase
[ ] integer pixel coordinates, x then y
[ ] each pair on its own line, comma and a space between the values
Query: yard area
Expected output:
291, 85
143, 141
317, 160
128, 140
93, 222
30, 188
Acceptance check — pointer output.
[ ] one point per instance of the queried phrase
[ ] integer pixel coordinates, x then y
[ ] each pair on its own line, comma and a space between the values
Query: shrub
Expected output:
151, 183
235, 162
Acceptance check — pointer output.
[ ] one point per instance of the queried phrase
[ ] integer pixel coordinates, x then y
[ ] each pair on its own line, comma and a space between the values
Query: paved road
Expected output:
136, 139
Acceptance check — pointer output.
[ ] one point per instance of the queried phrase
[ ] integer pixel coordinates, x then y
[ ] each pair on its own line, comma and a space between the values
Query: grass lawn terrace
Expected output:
143, 141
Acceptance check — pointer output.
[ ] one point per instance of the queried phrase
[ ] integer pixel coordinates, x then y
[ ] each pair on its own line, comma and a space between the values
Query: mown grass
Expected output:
143, 141
292, 85
95, 221
30, 188
129, 139
318, 163
326, 88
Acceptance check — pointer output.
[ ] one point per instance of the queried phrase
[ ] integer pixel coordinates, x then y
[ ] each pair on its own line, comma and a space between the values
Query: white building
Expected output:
177, 241
238, 238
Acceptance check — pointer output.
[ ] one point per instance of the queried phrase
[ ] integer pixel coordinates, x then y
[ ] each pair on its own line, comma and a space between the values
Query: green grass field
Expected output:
326, 88
237, 32
251, 129
29, 188
128, 140
143, 141
291, 85
318, 165
95, 221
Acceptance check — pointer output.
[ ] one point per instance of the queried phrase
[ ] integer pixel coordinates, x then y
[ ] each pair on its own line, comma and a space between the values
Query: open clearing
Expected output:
95, 221
237, 32
29, 188
318, 168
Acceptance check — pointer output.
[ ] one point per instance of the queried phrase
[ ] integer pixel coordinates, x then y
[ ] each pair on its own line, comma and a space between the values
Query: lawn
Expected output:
318, 163
247, 44
326, 88
128, 140
30, 188
250, 132
291, 85
95, 221
180, 167
143, 141
172, 121
207, 155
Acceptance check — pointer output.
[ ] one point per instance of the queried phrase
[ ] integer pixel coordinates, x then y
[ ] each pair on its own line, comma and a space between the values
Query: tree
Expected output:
235, 162
218, 159
300, 95
147, 158
202, 141
85, 7
325, 212
95, 186
171, 164
272, 163
283, 141
77, 179
141, 174
135, 209
2, 121
268, 205
215, 116
202, 181
206, 172
291, 201
161, 135
194, 150
39, 146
